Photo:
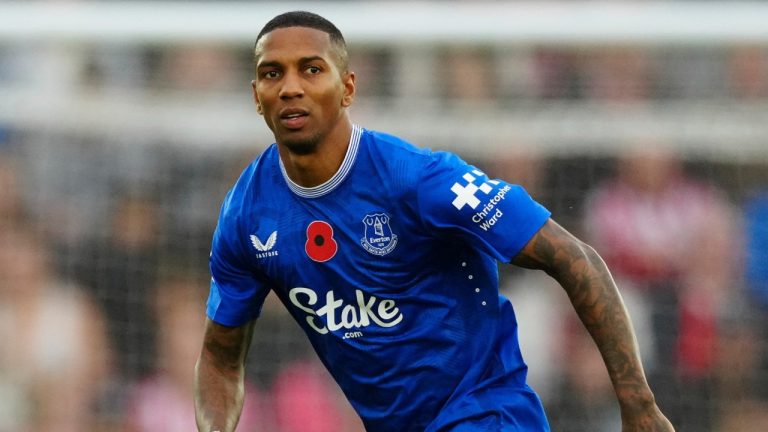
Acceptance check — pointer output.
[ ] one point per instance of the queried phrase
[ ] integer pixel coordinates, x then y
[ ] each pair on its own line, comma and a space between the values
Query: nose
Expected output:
291, 86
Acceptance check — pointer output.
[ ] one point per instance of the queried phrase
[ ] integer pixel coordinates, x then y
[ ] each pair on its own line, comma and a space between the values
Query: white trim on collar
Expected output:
336, 179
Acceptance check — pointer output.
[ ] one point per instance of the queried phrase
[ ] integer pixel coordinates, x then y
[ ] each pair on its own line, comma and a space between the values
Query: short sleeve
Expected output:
458, 199
237, 291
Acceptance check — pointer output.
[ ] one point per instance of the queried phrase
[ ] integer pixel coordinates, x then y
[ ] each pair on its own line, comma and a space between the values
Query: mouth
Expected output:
293, 118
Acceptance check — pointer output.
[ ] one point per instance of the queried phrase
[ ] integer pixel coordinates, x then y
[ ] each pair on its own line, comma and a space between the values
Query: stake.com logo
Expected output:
384, 313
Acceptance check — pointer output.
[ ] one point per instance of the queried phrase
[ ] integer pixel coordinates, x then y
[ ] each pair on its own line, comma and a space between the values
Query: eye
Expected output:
271, 74
313, 70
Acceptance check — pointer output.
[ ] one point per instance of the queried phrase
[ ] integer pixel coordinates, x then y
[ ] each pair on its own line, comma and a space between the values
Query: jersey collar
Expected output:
336, 179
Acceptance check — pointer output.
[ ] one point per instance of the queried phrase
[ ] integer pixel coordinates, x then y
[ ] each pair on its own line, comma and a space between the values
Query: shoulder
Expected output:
404, 168
392, 147
240, 203
398, 152
249, 184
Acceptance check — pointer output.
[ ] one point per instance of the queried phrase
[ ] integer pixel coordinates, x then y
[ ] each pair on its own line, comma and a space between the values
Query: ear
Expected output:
349, 89
256, 98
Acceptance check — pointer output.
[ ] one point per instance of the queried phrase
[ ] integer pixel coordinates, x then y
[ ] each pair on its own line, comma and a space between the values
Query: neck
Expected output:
314, 169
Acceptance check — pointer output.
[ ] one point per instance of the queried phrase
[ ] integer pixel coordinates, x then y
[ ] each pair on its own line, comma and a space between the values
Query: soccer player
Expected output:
385, 254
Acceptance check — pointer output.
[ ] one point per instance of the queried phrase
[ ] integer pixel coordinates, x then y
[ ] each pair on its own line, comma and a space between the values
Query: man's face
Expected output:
299, 88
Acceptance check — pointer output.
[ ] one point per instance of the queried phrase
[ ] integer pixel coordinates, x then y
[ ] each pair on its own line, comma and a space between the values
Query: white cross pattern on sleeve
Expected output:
465, 195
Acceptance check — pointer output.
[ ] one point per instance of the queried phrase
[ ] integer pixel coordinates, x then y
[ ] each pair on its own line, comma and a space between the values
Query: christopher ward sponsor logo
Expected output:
490, 213
467, 195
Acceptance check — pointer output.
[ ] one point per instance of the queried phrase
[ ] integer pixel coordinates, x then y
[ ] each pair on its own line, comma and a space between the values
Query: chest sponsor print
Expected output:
335, 314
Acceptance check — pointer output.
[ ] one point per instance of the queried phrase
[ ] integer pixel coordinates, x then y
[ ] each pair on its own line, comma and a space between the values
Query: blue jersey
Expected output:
390, 269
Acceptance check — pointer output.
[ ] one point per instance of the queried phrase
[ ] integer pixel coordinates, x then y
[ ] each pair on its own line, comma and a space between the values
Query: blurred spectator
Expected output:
556, 74
162, 401
748, 72
115, 68
469, 76
202, 67
54, 359
689, 74
374, 71
741, 373
622, 74
11, 208
121, 270
746, 416
517, 75
671, 243
307, 400
583, 399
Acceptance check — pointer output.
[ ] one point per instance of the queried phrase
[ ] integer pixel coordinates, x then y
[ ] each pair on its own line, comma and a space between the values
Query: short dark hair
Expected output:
310, 20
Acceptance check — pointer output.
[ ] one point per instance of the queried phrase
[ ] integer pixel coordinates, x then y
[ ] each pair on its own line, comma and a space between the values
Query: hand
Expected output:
650, 419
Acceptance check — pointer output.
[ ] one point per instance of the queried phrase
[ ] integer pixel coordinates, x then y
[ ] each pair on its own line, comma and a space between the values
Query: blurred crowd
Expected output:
686, 259
104, 245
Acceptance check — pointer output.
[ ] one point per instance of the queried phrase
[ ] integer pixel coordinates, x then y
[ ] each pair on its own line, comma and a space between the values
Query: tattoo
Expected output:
228, 345
596, 299
219, 376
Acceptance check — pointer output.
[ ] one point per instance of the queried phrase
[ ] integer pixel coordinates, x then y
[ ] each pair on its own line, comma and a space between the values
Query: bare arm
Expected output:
220, 375
596, 299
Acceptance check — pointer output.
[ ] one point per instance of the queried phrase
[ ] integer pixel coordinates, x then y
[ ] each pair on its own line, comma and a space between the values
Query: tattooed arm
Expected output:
220, 375
596, 299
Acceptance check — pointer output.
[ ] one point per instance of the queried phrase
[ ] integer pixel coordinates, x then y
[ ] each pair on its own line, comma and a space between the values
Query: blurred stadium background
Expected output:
643, 126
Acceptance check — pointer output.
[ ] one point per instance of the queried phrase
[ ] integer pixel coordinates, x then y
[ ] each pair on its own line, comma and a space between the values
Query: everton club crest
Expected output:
379, 238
